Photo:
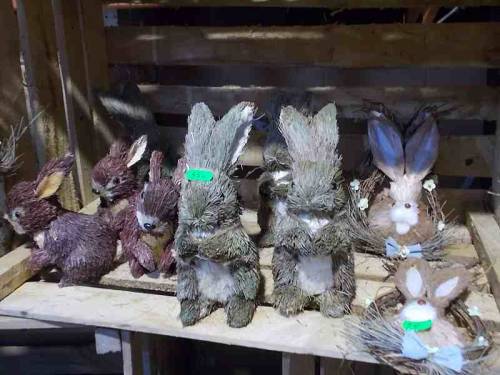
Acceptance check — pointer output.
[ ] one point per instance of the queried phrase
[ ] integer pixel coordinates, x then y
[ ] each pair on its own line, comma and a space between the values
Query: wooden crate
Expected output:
401, 65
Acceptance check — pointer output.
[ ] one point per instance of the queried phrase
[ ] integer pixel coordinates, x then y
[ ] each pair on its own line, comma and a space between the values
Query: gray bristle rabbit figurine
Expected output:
274, 183
217, 263
313, 262
81, 246
400, 212
151, 220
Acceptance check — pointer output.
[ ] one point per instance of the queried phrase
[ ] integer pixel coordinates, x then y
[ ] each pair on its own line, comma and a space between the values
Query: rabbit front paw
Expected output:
190, 312
297, 239
332, 305
239, 311
289, 300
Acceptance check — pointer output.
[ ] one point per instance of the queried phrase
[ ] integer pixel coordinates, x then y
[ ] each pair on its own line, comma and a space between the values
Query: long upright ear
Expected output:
155, 164
448, 284
243, 119
52, 174
422, 148
118, 148
137, 150
412, 277
386, 145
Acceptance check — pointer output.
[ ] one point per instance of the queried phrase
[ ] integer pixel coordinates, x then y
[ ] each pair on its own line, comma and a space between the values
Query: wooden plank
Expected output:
39, 50
486, 236
434, 45
14, 270
308, 333
13, 107
301, 3
458, 155
463, 103
9, 323
297, 364
107, 341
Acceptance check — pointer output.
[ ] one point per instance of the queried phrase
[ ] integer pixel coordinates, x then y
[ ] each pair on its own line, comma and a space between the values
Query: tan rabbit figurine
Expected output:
399, 211
428, 293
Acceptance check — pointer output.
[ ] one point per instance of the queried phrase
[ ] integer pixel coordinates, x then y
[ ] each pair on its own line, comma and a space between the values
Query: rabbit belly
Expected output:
279, 207
215, 281
315, 274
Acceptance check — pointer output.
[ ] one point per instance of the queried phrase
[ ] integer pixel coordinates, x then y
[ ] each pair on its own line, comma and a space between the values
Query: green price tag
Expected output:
424, 325
194, 174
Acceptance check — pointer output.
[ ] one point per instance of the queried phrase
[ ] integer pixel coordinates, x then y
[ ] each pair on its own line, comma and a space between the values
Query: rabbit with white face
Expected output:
428, 292
313, 262
217, 263
399, 212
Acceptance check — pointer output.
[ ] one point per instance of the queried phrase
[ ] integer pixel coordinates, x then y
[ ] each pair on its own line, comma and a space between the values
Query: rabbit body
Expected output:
313, 261
217, 263
428, 292
151, 220
82, 246
399, 212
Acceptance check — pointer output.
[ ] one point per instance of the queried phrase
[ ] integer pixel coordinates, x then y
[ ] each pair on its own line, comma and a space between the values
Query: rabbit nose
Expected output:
149, 226
95, 191
421, 302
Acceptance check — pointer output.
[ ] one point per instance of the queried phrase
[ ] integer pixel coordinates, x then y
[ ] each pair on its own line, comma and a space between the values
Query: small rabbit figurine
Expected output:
313, 262
151, 220
399, 212
82, 246
428, 292
114, 179
217, 263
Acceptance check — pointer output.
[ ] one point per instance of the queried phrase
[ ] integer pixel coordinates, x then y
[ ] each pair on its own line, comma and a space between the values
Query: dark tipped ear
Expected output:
178, 175
422, 149
118, 149
155, 164
51, 176
137, 150
386, 145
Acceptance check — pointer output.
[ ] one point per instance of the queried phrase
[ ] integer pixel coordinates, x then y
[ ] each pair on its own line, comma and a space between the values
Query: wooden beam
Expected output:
14, 270
42, 70
430, 45
461, 102
486, 236
495, 185
297, 364
303, 3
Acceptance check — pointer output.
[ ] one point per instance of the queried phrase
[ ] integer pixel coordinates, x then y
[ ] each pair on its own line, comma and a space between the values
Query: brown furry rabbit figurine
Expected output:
217, 263
313, 262
82, 246
114, 179
151, 220
399, 212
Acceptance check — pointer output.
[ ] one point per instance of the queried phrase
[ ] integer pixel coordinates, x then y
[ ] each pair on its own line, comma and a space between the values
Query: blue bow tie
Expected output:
448, 356
393, 249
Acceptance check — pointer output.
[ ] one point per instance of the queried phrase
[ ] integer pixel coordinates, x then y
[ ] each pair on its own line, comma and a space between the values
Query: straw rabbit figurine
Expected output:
399, 212
313, 261
428, 293
217, 263
151, 220
81, 246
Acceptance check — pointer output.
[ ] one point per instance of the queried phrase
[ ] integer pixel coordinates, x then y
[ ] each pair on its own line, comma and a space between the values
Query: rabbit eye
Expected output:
142, 194
334, 185
17, 213
421, 302
116, 180
407, 205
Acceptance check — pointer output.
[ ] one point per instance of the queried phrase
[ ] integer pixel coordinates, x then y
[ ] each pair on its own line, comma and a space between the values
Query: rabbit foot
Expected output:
267, 239
190, 312
63, 283
332, 305
206, 308
239, 312
135, 268
289, 300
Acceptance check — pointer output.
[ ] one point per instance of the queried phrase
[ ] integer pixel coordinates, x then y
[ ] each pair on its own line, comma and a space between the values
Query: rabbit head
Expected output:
113, 177
427, 291
316, 165
156, 208
31, 206
405, 167
215, 146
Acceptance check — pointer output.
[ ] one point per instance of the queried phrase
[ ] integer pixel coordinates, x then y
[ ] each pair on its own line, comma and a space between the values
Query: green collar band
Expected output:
424, 325
198, 174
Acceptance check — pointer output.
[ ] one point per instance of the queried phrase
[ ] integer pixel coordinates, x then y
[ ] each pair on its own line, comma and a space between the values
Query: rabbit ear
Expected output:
242, 116
137, 150
155, 164
411, 278
51, 176
386, 145
295, 129
118, 149
422, 149
448, 284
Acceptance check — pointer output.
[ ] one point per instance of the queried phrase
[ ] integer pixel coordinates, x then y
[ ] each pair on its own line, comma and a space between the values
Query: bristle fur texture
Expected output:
313, 263
81, 246
213, 250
